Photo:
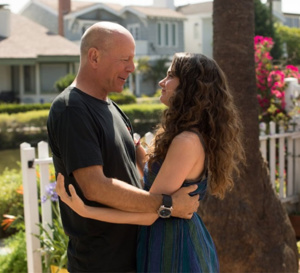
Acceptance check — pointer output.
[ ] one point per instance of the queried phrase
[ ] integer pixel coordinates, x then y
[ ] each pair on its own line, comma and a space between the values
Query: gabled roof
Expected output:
204, 7
31, 40
150, 11
78, 10
80, 7
53, 5
76, 6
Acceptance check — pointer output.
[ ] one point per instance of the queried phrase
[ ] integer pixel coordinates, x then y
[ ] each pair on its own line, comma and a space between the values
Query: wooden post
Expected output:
290, 188
297, 164
43, 161
272, 152
31, 214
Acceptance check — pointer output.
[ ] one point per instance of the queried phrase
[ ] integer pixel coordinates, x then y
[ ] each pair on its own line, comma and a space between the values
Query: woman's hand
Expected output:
73, 201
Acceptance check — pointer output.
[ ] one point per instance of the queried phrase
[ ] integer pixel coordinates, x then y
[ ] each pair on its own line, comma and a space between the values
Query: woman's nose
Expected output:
161, 83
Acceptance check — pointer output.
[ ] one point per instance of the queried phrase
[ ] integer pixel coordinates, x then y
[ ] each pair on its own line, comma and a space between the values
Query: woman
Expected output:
197, 142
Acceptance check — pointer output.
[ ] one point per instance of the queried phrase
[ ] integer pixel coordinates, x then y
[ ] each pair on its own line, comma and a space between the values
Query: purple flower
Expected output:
44, 199
54, 197
50, 193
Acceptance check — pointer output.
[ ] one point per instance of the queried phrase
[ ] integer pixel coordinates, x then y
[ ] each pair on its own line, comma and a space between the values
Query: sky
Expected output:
291, 6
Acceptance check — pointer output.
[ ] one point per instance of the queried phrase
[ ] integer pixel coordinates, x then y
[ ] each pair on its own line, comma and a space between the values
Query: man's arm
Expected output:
117, 194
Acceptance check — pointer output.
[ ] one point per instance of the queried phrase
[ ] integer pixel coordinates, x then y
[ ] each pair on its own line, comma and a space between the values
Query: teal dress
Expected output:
175, 244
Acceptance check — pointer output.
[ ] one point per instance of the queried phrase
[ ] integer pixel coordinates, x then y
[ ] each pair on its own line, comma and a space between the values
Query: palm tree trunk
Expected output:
250, 227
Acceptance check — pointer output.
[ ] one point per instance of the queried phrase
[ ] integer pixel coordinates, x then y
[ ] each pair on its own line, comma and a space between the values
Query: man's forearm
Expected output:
115, 193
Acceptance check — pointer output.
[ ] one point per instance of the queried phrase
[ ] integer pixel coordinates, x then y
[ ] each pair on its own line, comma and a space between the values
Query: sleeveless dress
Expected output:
175, 244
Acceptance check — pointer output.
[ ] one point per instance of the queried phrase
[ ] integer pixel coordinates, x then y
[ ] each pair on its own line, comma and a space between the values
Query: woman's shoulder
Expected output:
189, 139
189, 136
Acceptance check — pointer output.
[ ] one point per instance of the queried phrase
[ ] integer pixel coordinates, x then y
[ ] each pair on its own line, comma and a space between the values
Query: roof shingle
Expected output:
30, 40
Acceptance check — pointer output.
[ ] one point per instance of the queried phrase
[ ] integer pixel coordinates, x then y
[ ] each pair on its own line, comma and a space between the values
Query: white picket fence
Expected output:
280, 148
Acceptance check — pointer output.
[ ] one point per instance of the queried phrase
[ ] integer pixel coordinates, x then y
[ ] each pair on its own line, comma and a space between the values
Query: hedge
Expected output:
11, 108
21, 108
31, 126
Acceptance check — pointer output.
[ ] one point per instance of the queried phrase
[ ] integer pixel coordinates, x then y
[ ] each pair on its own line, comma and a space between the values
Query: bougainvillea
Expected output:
270, 82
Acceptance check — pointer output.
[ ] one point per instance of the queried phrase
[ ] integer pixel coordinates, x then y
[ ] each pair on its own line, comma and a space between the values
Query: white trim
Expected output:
132, 10
91, 8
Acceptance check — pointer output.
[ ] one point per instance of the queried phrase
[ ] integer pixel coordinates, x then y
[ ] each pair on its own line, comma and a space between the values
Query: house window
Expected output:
159, 34
174, 34
135, 31
50, 73
167, 34
29, 76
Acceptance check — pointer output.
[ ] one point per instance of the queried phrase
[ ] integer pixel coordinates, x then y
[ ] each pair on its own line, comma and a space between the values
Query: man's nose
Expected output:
131, 67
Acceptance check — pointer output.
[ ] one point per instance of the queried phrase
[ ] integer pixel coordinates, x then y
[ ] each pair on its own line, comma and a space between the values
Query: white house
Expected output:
32, 59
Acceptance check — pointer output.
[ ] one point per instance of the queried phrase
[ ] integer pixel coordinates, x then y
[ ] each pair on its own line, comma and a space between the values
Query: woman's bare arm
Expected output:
98, 213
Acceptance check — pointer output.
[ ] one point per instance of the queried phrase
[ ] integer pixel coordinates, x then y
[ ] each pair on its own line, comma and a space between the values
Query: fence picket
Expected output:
290, 167
272, 153
31, 214
43, 153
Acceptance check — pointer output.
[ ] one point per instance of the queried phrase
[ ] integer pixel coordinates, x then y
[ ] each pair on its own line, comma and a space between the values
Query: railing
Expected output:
281, 150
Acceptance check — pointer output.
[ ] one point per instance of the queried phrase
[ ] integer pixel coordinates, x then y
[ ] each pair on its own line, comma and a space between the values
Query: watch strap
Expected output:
167, 200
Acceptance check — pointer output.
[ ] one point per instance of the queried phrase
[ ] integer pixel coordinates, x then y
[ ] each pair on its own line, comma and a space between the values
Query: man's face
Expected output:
116, 64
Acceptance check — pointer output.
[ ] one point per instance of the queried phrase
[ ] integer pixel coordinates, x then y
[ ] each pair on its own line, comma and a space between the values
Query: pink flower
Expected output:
293, 68
277, 93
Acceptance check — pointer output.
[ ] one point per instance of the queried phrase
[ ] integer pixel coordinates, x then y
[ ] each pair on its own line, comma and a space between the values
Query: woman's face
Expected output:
168, 85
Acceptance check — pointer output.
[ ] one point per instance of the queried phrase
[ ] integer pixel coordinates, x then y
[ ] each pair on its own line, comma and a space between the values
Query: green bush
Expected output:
21, 108
11, 201
23, 127
291, 36
31, 126
126, 97
64, 82
144, 117
16, 260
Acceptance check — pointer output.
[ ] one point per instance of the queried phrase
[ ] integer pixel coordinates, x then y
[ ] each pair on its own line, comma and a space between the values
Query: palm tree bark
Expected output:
250, 227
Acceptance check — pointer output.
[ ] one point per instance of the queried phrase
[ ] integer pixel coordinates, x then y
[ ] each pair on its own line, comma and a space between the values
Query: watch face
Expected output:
165, 213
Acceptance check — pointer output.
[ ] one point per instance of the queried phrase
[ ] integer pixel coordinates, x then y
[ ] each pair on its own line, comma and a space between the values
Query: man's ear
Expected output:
93, 56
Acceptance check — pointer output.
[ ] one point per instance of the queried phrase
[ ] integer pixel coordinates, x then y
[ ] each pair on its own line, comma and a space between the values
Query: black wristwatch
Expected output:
165, 209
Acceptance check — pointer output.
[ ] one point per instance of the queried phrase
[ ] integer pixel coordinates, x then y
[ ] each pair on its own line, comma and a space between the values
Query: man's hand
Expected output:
185, 205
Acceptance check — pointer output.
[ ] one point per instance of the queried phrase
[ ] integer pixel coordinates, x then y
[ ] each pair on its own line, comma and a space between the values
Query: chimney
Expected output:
169, 4
64, 7
4, 20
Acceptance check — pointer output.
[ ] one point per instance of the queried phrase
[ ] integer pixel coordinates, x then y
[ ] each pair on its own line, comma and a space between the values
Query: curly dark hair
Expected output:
203, 102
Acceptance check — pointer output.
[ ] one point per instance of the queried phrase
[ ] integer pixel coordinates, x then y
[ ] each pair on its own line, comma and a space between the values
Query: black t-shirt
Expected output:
84, 131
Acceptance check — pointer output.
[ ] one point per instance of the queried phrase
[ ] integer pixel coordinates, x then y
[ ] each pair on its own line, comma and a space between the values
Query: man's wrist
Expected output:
165, 210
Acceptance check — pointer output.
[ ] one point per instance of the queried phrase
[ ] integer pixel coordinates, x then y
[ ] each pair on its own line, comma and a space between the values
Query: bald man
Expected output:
92, 145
